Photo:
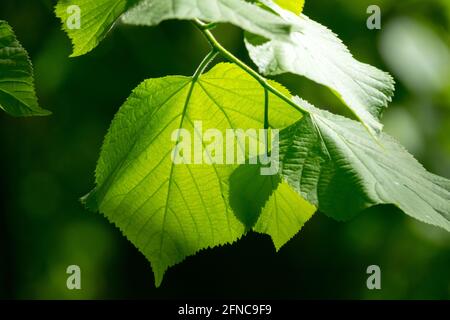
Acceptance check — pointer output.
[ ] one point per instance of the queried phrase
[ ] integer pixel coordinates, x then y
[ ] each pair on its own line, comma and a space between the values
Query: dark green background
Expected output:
48, 163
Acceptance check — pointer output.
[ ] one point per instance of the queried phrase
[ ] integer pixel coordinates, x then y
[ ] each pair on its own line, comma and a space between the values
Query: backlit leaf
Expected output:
170, 211
318, 54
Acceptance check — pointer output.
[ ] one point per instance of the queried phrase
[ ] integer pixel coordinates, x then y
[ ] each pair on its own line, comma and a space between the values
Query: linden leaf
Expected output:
335, 164
169, 210
318, 54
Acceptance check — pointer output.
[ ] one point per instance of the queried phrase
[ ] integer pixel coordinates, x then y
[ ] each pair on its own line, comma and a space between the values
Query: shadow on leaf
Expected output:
249, 192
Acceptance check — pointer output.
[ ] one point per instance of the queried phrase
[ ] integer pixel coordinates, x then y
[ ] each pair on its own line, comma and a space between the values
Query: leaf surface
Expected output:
334, 163
284, 214
17, 93
167, 210
267, 204
245, 15
96, 20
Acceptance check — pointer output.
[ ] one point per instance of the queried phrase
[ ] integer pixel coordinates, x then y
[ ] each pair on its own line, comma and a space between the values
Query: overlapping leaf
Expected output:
170, 211
267, 204
284, 214
17, 94
318, 54
335, 164
98, 17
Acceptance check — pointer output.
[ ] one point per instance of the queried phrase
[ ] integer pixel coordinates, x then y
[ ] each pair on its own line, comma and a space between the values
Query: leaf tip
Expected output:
158, 273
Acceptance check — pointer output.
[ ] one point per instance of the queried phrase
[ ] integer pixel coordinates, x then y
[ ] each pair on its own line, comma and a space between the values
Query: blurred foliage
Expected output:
48, 163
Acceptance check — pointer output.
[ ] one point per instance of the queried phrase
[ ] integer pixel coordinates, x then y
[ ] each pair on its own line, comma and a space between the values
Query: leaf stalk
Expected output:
215, 45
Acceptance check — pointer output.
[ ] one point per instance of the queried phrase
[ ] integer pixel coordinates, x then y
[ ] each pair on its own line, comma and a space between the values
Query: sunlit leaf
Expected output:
167, 210
318, 54
96, 18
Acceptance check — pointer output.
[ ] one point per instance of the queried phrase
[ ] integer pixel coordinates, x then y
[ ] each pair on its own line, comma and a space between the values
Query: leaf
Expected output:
17, 95
295, 6
318, 54
172, 211
96, 20
335, 164
245, 15
267, 204
284, 215
98, 17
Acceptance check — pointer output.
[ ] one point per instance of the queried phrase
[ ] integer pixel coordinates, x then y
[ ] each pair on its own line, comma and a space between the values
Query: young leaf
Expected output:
98, 17
170, 211
17, 95
318, 54
335, 164
95, 20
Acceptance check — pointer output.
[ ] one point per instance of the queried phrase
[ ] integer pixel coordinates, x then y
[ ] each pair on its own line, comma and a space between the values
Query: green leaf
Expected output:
295, 6
334, 163
17, 95
267, 204
284, 214
96, 20
318, 54
170, 211
98, 17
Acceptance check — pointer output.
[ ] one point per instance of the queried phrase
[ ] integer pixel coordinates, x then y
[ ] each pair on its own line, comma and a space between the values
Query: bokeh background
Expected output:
48, 163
